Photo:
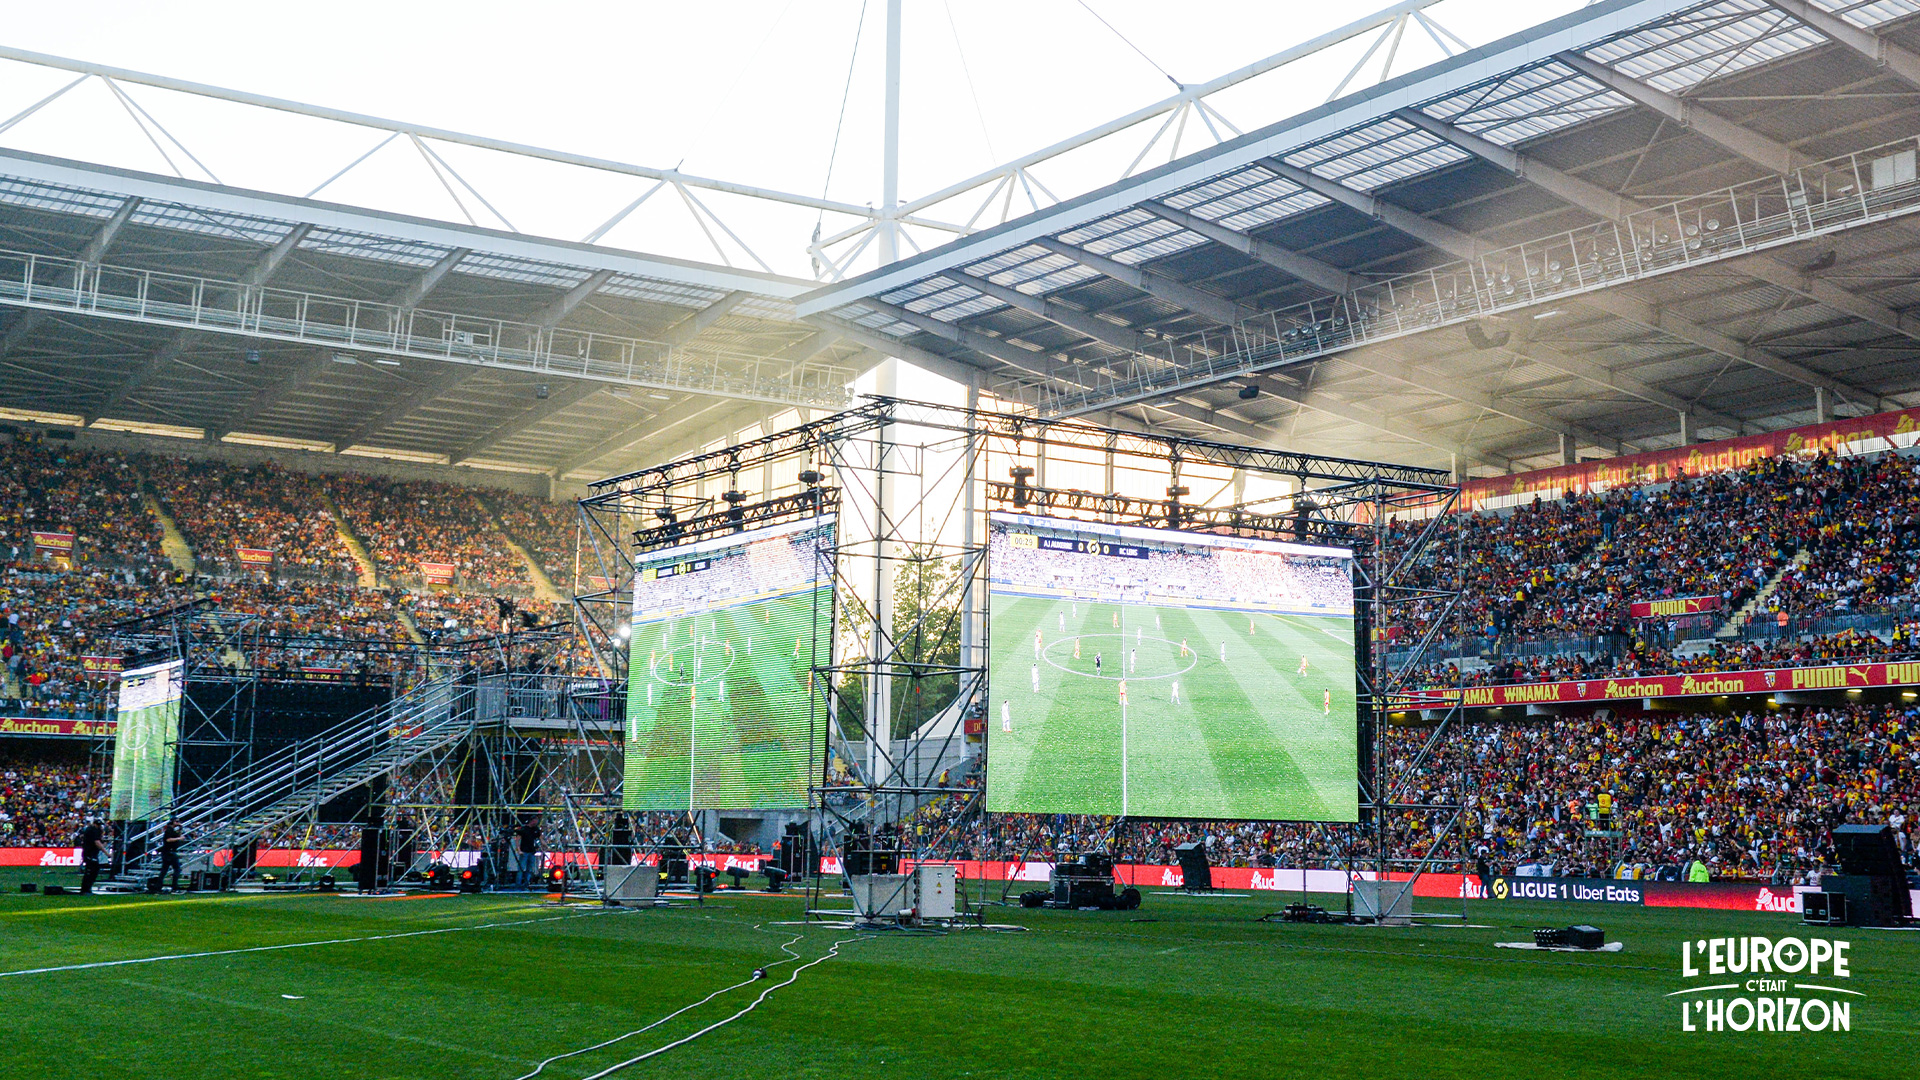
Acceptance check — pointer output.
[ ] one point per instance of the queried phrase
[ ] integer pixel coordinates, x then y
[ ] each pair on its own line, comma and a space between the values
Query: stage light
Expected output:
665, 515
776, 877
540, 391
1249, 392
811, 477
253, 357
622, 632
268, 879
1020, 473
325, 883
557, 877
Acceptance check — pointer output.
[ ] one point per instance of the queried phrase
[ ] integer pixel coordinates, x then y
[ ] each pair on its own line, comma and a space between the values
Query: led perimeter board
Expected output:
1151, 673
724, 638
146, 736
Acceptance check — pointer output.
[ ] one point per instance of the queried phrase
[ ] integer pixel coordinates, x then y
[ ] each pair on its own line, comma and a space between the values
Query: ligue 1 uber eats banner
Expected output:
1714, 684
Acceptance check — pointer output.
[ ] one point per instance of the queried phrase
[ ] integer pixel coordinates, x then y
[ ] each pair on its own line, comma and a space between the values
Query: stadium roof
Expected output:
1640, 224
155, 302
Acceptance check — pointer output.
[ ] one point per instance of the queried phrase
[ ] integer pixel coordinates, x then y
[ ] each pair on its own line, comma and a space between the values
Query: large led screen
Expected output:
1149, 673
146, 734
725, 636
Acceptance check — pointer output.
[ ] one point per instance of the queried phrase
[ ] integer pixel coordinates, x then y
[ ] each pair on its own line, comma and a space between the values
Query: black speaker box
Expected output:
1195, 873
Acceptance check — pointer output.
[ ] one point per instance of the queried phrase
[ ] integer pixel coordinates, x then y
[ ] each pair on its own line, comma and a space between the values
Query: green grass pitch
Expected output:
1250, 736
720, 702
1184, 987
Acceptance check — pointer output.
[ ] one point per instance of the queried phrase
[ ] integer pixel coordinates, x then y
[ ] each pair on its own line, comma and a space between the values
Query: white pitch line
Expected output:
291, 945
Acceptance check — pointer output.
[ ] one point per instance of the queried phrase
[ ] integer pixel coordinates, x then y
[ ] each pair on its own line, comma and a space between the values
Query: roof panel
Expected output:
1528, 103
1379, 153
1712, 40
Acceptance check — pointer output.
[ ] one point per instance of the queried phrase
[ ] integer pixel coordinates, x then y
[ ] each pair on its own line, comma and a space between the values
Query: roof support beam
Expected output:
1080, 322
673, 416
272, 393
429, 279
1882, 52
1159, 286
946, 367
697, 323
1633, 309
259, 274
558, 400
1305, 267
103, 237
1762, 151
1572, 190
550, 316
1369, 360
1320, 402
1433, 233
1601, 375
442, 380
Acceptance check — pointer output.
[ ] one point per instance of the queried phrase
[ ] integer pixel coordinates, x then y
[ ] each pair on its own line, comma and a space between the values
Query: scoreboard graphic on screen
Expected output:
1151, 673
724, 638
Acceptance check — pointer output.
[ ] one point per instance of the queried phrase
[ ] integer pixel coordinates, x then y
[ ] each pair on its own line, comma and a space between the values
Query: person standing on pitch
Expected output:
1303, 665
1036, 643
1006, 716
1327, 703
1133, 661
170, 842
1096, 663
529, 836
92, 842
1176, 691
1036, 678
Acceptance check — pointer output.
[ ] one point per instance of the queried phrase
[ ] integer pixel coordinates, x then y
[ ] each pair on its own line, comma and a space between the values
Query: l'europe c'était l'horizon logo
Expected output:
1763, 984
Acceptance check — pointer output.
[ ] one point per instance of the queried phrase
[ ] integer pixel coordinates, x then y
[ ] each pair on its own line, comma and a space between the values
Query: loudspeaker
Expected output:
55, 890
366, 874
1195, 873
1868, 849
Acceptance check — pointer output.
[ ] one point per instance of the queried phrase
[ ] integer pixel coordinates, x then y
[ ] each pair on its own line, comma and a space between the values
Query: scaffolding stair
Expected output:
228, 813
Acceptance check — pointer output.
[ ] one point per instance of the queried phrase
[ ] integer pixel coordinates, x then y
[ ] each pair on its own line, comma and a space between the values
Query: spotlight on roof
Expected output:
1249, 392
666, 515
541, 392
811, 477
734, 496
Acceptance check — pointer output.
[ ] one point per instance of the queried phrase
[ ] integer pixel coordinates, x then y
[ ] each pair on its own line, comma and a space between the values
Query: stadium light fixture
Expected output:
1249, 392
541, 391
811, 477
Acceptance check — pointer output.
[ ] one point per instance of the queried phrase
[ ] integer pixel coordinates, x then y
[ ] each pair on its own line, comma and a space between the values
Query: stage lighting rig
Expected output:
811, 477
1021, 474
736, 513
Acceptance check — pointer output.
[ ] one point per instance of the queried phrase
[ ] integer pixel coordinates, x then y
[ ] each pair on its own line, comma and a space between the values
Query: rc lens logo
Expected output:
1768, 994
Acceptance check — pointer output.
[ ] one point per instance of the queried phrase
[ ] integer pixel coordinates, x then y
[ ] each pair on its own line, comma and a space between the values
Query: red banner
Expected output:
102, 665
56, 727
54, 543
1865, 435
1679, 605
260, 558
437, 573
1712, 684
599, 584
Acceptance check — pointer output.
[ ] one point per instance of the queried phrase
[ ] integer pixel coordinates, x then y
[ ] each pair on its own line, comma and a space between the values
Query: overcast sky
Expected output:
748, 91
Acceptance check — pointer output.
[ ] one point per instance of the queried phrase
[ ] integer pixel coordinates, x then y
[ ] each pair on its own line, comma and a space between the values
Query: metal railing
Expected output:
209, 305
1729, 223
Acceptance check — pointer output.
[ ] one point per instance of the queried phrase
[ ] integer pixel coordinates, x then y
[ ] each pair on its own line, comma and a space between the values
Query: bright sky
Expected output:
749, 91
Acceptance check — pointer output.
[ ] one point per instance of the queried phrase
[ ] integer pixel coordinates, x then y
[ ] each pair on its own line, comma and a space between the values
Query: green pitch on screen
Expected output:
719, 705
1254, 735
145, 734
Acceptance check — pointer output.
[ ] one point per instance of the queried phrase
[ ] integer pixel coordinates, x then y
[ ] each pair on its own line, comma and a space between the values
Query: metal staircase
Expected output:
227, 813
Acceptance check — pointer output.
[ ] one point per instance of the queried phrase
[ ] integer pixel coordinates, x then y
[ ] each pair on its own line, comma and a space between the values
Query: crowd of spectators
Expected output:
221, 508
407, 522
1751, 795
44, 801
1576, 565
